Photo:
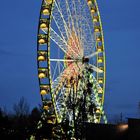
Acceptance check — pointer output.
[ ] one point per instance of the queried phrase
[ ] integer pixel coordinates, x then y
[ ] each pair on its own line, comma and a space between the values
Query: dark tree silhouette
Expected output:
1, 114
34, 119
139, 109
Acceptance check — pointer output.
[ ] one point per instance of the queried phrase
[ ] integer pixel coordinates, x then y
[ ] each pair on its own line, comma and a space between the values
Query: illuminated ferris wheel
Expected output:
71, 61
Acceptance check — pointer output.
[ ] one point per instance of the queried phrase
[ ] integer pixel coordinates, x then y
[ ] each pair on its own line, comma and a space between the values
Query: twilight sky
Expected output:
18, 68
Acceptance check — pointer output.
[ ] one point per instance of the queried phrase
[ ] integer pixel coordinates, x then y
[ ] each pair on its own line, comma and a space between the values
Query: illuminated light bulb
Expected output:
100, 91
93, 10
50, 121
91, 80
49, 1
46, 107
100, 60
43, 26
41, 58
46, 12
98, 39
95, 19
43, 92
41, 41
100, 81
97, 30
89, 2
98, 111
99, 50
41, 75
96, 120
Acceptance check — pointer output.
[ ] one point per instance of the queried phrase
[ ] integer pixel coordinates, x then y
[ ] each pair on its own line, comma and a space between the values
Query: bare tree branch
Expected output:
22, 108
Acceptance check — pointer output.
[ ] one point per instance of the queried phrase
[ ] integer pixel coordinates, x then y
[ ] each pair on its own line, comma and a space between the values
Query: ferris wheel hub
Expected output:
85, 60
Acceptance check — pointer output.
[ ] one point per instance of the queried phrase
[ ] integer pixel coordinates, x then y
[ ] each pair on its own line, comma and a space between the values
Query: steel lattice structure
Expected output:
71, 62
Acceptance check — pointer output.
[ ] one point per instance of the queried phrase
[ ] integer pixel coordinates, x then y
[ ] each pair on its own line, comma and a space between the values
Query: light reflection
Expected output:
122, 127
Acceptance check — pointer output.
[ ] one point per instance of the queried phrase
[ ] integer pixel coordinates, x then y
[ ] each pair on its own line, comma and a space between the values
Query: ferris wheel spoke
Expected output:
62, 96
80, 17
66, 73
83, 21
86, 27
44, 30
57, 65
71, 21
60, 20
88, 43
75, 15
63, 60
77, 24
60, 26
59, 84
58, 79
60, 42
56, 85
60, 76
61, 23
55, 70
94, 68
76, 30
58, 90
97, 84
92, 55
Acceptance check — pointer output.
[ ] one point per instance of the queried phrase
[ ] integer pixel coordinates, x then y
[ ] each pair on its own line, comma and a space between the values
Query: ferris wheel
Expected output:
71, 61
